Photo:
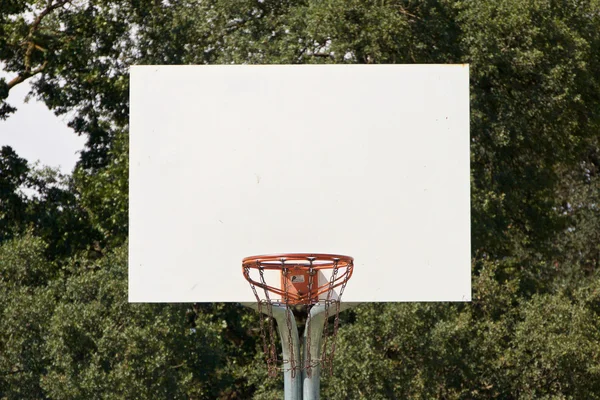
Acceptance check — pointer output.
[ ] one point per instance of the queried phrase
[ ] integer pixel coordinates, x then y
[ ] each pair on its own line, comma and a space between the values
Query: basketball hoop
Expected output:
298, 273
304, 280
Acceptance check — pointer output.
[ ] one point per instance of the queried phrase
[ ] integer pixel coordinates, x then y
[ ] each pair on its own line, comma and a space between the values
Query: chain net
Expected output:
340, 268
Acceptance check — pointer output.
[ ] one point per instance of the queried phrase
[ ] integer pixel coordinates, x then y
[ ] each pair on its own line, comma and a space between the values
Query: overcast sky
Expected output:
35, 133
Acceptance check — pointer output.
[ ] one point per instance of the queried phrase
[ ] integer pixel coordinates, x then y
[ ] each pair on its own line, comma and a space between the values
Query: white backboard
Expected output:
370, 161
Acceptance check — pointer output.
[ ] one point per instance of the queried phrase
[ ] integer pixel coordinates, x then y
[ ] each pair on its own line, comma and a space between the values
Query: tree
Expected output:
25, 309
531, 329
73, 334
43, 201
13, 175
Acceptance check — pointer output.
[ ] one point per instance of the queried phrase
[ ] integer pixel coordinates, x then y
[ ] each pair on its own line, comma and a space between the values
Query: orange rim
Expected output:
299, 261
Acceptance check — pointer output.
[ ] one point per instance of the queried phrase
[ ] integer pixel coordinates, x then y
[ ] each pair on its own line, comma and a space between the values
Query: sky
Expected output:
35, 133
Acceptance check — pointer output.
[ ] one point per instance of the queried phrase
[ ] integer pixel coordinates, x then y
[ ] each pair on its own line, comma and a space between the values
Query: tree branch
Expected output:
403, 11
13, 372
32, 46
324, 55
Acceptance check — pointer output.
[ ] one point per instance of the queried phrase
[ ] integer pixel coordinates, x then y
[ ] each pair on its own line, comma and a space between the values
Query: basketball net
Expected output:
299, 287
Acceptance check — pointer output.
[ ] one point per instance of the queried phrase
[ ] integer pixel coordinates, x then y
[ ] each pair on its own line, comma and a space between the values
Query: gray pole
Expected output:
301, 386
312, 383
292, 386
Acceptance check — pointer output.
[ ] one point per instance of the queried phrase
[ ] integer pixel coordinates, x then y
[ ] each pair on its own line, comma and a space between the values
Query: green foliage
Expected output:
535, 71
22, 263
13, 174
25, 307
43, 201
74, 335
579, 245
102, 347
500, 346
56, 213
532, 329
555, 350
104, 193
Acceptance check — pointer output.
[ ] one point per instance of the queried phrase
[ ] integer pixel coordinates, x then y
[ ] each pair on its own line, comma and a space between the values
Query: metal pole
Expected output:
292, 380
301, 386
292, 385
312, 383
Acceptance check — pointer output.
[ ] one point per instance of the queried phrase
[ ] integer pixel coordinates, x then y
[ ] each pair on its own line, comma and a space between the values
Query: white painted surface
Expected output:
232, 161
